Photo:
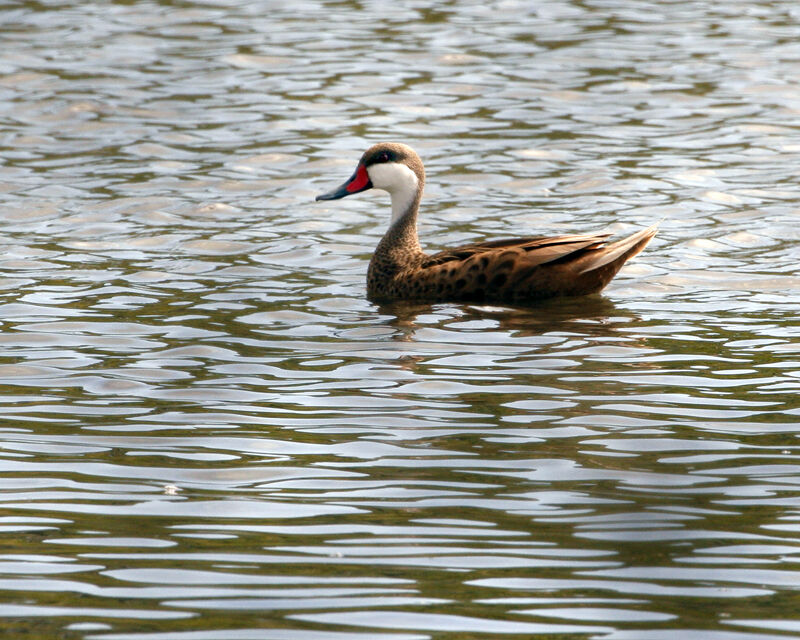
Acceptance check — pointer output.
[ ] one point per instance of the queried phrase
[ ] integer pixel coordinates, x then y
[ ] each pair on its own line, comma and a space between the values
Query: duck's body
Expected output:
517, 271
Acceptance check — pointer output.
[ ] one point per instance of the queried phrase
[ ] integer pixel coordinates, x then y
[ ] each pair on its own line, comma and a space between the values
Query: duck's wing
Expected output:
533, 250
522, 269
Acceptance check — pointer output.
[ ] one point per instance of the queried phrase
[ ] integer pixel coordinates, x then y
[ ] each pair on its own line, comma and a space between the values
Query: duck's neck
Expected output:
400, 243
405, 204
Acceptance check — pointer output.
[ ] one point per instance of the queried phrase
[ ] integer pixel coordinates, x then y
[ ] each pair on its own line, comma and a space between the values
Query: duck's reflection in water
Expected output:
593, 315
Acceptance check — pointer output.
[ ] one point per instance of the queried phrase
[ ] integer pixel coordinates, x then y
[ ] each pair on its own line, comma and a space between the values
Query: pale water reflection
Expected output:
208, 433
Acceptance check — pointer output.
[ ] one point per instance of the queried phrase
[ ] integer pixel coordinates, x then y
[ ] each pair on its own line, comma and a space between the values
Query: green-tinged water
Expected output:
208, 433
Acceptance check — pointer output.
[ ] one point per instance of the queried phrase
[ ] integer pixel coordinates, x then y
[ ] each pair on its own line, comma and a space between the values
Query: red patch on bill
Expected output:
359, 180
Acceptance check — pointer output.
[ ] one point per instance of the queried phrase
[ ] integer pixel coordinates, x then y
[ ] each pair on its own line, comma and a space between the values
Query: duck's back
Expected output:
519, 270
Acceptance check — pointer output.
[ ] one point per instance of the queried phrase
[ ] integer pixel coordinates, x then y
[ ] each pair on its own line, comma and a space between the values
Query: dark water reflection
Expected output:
209, 433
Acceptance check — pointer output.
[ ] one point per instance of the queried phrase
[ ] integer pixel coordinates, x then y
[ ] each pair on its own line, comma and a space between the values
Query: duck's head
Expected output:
391, 166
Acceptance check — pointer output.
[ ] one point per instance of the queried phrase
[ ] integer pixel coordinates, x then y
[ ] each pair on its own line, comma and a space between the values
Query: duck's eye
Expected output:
384, 157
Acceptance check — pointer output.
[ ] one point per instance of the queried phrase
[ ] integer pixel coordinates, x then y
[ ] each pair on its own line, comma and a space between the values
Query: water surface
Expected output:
209, 433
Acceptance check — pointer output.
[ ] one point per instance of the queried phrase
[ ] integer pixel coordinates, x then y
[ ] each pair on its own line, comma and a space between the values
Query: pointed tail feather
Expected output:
625, 248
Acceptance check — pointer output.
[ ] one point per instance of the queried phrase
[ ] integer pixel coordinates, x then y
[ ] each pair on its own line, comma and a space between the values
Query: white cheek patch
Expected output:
392, 176
400, 181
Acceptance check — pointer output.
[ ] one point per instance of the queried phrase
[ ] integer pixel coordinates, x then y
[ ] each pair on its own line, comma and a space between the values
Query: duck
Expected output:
516, 271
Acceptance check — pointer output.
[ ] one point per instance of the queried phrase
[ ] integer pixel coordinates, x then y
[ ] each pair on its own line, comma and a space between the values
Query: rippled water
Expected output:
209, 433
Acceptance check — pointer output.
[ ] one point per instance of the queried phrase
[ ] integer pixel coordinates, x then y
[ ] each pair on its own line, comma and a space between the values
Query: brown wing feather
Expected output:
520, 270
468, 250
509, 269
535, 250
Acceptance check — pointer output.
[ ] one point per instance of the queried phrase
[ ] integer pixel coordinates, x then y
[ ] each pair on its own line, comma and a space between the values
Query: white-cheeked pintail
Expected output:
515, 271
